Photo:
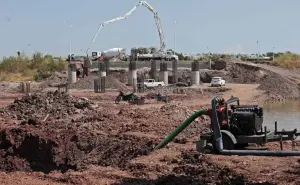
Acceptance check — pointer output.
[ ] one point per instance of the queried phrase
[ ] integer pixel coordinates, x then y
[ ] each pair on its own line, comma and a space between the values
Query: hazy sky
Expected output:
201, 25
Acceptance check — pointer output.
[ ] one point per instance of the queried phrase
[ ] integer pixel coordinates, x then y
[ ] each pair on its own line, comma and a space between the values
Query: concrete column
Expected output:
103, 84
130, 82
174, 71
134, 77
71, 74
132, 73
163, 73
102, 69
195, 73
153, 69
74, 77
106, 62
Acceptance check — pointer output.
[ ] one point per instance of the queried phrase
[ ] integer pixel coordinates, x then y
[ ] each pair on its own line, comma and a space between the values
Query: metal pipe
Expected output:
219, 141
260, 153
181, 127
266, 139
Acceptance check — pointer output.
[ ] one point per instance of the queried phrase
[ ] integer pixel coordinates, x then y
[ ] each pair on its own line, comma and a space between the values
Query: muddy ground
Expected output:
84, 138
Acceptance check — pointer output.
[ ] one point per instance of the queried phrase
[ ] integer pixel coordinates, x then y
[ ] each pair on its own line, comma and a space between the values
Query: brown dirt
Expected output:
93, 141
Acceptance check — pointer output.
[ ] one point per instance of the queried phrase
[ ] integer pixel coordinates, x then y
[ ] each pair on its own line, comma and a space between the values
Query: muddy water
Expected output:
286, 113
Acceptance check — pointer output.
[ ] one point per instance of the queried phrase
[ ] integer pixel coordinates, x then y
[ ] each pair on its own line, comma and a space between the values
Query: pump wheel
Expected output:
228, 144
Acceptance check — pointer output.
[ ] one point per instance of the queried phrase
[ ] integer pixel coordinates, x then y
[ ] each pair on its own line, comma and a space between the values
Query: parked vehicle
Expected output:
150, 83
217, 81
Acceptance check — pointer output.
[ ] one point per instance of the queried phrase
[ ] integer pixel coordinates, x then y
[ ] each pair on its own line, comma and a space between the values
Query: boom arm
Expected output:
156, 18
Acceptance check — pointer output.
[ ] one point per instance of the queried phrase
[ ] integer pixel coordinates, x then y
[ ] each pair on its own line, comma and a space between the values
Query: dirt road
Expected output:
293, 76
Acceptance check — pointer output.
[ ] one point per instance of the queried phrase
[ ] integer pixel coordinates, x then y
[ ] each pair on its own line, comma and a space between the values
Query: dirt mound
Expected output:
59, 145
272, 83
55, 79
88, 83
275, 84
37, 106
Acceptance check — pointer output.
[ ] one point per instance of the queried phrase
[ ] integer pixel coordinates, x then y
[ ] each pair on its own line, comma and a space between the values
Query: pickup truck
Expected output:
150, 83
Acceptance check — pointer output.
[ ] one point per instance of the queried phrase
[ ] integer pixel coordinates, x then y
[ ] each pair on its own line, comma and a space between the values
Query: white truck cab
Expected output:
152, 83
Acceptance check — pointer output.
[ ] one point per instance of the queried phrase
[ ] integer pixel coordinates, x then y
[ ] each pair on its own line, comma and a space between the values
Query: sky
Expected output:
197, 25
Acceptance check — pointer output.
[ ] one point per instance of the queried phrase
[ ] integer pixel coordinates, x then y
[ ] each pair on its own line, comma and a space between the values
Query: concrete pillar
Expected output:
153, 69
72, 73
132, 73
99, 85
174, 71
103, 84
74, 77
163, 73
134, 77
102, 69
141, 88
195, 73
106, 62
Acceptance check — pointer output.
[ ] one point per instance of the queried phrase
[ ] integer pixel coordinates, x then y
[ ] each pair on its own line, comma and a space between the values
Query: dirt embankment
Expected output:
76, 134
276, 83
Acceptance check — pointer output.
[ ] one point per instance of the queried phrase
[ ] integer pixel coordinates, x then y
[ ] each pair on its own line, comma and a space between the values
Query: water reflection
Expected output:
286, 113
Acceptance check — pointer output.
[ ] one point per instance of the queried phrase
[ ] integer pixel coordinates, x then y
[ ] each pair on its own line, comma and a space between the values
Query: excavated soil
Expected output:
59, 133
75, 134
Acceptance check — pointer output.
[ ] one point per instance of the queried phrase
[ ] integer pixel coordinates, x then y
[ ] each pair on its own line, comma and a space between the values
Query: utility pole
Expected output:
175, 36
70, 37
257, 49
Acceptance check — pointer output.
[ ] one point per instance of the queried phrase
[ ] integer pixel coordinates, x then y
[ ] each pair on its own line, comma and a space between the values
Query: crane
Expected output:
156, 18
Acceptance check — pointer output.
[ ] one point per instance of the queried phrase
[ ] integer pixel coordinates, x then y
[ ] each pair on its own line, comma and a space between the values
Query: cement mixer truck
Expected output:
110, 53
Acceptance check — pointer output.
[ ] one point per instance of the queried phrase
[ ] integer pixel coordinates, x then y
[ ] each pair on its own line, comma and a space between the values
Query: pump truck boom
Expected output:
160, 54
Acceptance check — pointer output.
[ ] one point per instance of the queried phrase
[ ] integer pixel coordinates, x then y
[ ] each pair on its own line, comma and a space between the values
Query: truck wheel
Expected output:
159, 85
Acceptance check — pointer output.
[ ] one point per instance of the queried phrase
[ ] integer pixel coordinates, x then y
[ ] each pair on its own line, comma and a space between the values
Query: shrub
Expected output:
37, 68
287, 60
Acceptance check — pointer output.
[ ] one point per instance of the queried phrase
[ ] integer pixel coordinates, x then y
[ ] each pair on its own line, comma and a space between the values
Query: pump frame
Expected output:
231, 141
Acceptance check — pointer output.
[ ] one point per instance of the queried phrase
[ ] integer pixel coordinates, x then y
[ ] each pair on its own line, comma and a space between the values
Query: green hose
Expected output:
181, 127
